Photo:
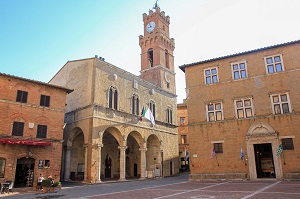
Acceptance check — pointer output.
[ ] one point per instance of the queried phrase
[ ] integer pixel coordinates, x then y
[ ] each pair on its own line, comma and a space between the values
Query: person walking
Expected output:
39, 182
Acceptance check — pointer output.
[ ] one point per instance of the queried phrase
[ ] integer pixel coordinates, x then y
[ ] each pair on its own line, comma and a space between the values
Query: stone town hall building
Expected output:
103, 135
246, 103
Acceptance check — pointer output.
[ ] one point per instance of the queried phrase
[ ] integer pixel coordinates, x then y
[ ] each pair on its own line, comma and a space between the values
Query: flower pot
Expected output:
45, 189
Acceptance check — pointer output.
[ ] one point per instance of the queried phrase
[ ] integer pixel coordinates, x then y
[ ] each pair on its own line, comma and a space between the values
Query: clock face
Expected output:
167, 77
150, 26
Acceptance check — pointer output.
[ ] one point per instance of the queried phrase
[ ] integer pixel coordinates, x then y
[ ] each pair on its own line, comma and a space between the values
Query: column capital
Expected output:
122, 147
101, 134
99, 145
85, 146
143, 149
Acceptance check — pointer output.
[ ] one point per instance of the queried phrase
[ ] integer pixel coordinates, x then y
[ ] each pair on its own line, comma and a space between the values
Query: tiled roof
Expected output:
37, 82
182, 67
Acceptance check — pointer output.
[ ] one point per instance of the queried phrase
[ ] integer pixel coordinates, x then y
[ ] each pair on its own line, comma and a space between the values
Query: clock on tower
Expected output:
157, 60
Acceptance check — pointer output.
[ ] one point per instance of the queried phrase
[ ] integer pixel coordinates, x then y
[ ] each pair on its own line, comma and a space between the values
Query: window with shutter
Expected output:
18, 129
22, 96
41, 131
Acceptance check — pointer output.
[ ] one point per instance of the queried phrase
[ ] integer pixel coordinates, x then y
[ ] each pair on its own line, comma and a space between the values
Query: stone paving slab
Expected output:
173, 188
216, 190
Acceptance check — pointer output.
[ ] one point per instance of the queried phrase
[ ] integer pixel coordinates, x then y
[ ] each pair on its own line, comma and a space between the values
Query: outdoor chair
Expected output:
10, 187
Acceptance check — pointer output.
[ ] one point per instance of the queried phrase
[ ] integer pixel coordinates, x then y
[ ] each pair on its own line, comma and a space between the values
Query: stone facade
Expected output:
104, 137
26, 155
245, 103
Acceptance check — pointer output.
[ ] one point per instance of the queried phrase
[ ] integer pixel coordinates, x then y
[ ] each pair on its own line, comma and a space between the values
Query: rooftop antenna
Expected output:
155, 5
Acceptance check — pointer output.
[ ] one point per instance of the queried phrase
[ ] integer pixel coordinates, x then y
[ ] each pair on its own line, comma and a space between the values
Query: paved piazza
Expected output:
173, 187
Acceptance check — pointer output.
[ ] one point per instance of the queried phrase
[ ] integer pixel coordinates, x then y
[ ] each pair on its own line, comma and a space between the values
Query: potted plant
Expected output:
46, 184
55, 184
59, 185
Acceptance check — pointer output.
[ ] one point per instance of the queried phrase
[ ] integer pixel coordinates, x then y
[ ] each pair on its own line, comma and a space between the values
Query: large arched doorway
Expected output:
153, 156
262, 144
110, 154
24, 172
133, 155
77, 155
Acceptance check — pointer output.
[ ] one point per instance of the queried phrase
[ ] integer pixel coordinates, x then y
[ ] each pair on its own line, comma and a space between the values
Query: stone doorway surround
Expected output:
261, 133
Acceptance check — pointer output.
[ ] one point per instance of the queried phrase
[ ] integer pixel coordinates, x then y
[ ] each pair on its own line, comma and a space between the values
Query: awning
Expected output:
24, 142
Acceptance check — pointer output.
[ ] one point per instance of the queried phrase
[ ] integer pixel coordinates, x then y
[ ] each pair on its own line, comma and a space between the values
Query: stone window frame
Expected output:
280, 103
211, 76
169, 115
113, 95
214, 111
239, 70
135, 104
285, 144
270, 61
244, 107
218, 146
152, 107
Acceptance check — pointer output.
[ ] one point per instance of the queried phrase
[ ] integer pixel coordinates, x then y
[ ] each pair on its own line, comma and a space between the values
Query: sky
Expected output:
37, 37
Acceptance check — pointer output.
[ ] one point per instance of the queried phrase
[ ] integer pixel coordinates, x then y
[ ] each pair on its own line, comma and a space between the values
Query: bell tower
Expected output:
157, 60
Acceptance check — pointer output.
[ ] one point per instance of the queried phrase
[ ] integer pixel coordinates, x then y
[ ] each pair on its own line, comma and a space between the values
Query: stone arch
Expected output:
260, 129
22, 86
153, 154
73, 133
75, 155
112, 139
42, 120
135, 142
114, 99
45, 91
262, 133
19, 117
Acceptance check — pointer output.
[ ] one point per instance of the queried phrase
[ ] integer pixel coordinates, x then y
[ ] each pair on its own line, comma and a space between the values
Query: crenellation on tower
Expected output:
157, 60
161, 14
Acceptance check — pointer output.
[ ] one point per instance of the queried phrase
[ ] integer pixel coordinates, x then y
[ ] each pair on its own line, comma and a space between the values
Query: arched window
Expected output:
167, 58
152, 108
135, 105
150, 57
113, 98
169, 115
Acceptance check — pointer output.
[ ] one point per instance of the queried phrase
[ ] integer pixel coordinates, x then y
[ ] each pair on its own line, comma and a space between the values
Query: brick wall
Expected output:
31, 112
232, 131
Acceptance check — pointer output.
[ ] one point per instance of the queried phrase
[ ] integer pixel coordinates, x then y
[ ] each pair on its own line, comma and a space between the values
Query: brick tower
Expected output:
157, 61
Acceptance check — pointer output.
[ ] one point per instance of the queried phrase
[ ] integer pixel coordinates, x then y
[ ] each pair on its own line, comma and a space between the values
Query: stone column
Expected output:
99, 163
122, 162
143, 163
85, 146
67, 163
161, 152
